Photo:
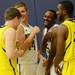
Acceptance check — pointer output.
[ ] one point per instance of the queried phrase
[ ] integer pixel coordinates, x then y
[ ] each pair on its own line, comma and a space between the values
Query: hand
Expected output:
36, 29
44, 61
21, 53
58, 71
17, 45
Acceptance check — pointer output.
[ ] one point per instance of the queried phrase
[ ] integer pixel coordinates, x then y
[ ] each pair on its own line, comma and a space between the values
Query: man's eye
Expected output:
22, 11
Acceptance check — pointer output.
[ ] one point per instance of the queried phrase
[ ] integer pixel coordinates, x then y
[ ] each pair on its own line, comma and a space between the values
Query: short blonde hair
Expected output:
21, 4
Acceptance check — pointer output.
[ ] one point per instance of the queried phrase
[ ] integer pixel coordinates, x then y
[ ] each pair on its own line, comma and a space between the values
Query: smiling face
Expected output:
65, 10
24, 14
48, 19
60, 12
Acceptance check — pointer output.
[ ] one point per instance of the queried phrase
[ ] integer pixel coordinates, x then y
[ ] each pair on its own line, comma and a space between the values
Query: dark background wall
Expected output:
36, 8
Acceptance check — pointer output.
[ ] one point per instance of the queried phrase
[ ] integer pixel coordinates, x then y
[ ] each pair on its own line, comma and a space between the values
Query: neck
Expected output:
10, 23
66, 17
25, 23
50, 25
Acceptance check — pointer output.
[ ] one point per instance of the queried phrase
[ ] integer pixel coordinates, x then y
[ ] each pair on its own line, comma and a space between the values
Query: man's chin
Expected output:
45, 24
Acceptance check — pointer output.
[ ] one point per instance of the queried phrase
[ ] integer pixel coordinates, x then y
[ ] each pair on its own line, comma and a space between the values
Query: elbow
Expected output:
58, 59
60, 55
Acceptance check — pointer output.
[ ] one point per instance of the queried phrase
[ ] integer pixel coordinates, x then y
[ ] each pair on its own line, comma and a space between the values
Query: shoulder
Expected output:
30, 26
63, 28
60, 30
10, 33
10, 30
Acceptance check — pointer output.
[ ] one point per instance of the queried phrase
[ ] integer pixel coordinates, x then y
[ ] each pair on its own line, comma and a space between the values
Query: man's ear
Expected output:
64, 12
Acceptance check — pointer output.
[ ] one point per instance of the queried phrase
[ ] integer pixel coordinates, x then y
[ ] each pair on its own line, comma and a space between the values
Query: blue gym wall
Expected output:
36, 8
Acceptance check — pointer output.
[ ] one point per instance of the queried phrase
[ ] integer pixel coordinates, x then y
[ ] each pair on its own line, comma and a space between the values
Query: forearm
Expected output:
49, 64
50, 61
45, 39
28, 42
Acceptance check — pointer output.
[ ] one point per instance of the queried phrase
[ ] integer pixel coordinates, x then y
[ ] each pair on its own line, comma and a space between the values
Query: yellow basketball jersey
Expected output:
69, 57
70, 42
7, 66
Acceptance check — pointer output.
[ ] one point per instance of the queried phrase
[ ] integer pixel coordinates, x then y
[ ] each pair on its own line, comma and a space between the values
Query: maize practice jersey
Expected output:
69, 57
7, 66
